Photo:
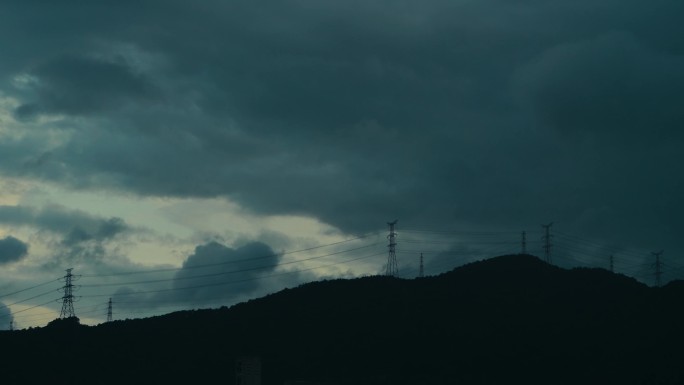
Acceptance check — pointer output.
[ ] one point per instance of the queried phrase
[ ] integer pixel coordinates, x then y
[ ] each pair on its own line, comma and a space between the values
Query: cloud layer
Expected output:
440, 113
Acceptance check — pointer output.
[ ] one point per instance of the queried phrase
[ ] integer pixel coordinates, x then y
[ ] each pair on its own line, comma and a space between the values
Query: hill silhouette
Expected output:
508, 319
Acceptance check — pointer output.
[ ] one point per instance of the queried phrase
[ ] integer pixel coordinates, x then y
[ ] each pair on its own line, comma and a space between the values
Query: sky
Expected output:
180, 155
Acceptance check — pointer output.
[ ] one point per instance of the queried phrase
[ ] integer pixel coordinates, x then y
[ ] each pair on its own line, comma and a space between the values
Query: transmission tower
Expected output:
11, 325
523, 243
547, 241
109, 311
658, 265
612, 270
421, 272
68, 298
392, 255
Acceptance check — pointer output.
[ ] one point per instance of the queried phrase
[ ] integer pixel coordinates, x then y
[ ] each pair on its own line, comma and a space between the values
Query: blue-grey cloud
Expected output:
12, 250
73, 236
73, 225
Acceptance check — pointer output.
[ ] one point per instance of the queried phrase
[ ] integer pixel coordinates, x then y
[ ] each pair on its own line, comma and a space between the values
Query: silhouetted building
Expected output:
248, 371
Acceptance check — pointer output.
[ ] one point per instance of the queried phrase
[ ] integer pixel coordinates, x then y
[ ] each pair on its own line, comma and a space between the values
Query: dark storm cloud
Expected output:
12, 250
612, 83
80, 85
484, 113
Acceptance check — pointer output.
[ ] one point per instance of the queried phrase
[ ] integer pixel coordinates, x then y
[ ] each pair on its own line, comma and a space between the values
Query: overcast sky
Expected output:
147, 135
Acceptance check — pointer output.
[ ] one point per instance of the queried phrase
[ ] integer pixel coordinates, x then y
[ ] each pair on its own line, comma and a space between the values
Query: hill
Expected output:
507, 319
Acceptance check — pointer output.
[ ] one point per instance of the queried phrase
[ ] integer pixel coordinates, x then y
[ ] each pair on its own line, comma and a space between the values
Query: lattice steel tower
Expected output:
523, 243
421, 272
612, 267
109, 311
68, 298
392, 252
547, 241
658, 267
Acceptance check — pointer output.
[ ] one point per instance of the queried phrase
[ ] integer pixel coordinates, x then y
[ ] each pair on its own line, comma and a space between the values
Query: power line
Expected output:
571, 248
27, 309
227, 272
217, 300
236, 281
596, 244
454, 242
228, 262
29, 288
458, 232
52, 313
35, 317
222, 283
243, 280
34, 297
593, 253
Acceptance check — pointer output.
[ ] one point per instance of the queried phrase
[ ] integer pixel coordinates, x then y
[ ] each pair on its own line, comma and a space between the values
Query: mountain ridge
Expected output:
508, 318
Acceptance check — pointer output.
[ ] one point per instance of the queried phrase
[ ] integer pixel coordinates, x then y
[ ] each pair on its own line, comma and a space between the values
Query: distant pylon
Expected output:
547, 241
11, 325
109, 311
523, 243
658, 267
421, 272
612, 270
68, 298
392, 253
